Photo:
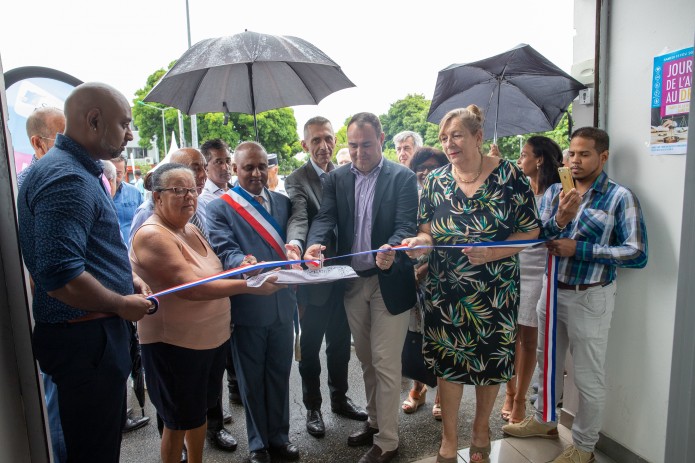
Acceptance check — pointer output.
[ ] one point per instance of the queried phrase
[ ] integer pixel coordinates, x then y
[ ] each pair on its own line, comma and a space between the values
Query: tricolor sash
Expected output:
258, 218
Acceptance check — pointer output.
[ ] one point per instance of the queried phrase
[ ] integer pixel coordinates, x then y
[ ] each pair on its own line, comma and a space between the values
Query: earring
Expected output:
538, 166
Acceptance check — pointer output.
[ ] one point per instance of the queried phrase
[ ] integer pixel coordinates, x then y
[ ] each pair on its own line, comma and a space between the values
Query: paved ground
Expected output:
419, 432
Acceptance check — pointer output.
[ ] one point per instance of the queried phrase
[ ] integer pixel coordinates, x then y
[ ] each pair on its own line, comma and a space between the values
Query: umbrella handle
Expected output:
154, 301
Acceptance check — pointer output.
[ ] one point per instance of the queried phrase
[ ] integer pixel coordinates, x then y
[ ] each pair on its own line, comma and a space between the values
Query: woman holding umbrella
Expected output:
184, 343
472, 293
539, 159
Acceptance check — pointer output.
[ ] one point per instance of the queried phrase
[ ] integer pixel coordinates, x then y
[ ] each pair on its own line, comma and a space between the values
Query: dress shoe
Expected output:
314, 423
375, 455
131, 424
348, 409
363, 437
287, 451
226, 417
223, 440
259, 456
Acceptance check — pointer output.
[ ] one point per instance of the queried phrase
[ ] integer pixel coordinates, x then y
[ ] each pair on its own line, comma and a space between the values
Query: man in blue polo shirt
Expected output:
84, 285
127, 198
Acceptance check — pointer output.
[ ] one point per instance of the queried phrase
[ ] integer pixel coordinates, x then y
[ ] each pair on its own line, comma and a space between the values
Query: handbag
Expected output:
413, 362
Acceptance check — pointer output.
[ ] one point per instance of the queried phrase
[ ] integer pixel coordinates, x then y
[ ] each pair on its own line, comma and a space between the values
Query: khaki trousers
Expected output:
379, 338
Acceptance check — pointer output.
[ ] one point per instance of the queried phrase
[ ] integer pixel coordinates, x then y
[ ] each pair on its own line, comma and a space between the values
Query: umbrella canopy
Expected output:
519, 91
249, 73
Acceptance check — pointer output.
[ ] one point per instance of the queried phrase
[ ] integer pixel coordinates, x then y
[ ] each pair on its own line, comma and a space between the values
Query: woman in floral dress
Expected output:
473, 293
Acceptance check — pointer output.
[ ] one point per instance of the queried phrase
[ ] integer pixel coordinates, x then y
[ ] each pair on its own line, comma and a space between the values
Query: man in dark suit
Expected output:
323, 311
263, 331
373, 202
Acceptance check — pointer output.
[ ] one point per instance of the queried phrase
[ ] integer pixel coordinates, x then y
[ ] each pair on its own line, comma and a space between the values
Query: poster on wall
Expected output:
671, 90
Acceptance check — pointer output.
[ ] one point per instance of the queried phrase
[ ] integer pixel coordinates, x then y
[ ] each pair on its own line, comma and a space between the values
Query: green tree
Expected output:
509, 146
410, 113
277, 128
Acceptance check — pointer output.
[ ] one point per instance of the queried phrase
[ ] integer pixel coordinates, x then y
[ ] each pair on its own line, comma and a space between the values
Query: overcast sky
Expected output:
387, 48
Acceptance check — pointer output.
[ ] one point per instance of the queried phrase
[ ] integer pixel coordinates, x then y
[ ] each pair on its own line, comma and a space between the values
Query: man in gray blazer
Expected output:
321, 306
373, 203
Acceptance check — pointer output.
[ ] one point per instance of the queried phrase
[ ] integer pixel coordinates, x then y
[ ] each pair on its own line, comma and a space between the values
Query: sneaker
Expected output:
574, 455
531, 428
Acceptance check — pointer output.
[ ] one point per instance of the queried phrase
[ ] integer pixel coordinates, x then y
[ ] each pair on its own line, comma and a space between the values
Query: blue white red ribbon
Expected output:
550, 330
549, 360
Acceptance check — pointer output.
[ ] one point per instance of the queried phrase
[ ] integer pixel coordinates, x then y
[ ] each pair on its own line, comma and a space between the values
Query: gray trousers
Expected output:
583, 322
379, 338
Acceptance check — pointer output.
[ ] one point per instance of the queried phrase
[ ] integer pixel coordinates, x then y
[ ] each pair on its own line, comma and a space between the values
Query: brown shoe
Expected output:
375, 455
363, 437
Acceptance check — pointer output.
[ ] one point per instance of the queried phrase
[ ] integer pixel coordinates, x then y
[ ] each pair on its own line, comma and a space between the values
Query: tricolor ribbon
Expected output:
549, 359
550, 330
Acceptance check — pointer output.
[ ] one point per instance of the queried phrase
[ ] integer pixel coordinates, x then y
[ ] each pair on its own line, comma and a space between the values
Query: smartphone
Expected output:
566, 179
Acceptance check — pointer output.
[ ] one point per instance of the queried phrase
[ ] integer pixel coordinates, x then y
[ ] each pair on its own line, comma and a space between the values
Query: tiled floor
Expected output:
515, 450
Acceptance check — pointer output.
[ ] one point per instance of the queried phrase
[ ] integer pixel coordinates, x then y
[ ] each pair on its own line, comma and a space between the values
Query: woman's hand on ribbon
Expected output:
139, 286
315, 253
384, 259
479, 255
419, 240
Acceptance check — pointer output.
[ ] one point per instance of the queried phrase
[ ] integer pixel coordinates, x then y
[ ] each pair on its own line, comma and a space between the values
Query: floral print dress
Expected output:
471, 310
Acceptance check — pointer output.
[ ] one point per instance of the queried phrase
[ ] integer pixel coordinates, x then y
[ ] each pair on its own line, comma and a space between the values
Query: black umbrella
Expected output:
249, 73
137, 372
519, 91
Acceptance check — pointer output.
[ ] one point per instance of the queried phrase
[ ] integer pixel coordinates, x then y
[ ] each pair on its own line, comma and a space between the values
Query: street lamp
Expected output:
164, 129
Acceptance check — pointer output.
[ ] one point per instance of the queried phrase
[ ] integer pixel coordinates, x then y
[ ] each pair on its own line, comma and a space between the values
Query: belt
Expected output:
367, 273
561, 285
92, 316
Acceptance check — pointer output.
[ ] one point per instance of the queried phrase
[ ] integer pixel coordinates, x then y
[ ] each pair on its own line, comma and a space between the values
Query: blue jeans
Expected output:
60, 454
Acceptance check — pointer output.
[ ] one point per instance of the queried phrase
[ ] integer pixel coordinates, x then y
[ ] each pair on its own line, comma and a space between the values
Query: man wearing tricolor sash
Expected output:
595, 228
248, 224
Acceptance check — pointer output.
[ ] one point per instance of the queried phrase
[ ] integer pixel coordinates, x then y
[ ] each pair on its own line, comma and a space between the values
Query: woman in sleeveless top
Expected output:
184, 343
539, 159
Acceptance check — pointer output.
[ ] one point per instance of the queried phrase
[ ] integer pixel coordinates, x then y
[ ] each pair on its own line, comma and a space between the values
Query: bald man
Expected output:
85, 290
42, 127
192, 158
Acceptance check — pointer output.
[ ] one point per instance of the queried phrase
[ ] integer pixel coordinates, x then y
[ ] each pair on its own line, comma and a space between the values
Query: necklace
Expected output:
458, 177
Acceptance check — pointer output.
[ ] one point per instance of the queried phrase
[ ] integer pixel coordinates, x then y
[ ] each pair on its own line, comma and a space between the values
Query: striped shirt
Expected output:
609, 230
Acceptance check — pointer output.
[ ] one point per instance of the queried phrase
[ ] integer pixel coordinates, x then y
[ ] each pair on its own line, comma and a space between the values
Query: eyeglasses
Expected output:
427, 169
47, 138
180, 191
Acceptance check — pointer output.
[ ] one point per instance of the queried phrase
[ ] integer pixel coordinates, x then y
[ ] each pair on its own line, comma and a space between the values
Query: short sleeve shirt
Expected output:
68, 225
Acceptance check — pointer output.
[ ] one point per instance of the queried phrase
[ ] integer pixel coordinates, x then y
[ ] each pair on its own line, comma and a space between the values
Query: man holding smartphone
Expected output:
595, 228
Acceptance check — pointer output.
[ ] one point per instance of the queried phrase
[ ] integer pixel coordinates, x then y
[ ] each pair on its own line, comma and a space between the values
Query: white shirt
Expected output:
210, 192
